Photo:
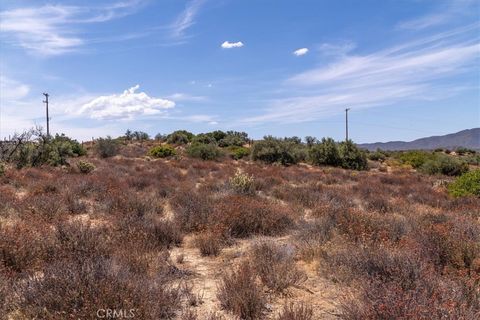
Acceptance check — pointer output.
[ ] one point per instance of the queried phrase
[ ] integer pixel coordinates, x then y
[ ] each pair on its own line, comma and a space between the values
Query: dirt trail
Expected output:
318, 292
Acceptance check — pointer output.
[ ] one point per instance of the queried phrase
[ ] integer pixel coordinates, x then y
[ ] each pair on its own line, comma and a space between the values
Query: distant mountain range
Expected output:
469, 138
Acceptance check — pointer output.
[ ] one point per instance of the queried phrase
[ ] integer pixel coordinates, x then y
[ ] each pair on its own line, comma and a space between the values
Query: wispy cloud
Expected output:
201, 118
231, 45
49, 29
186, 19
125, 106
415, 70
179, 97
300, 52
446, 12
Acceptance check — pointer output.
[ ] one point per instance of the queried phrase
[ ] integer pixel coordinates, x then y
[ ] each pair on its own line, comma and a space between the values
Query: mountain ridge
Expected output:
469, 138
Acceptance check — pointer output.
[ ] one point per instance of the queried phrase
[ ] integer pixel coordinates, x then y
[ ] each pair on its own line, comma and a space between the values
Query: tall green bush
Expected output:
180, 137
352, 157
325, 153
275, 150
204, 151
106, 147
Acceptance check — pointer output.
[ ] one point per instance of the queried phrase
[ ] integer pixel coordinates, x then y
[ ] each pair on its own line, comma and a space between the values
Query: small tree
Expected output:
352, 157
325, 153
106, 147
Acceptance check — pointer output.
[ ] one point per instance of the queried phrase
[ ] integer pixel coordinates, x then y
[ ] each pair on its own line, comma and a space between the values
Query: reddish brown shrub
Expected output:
275, 265
192, 210
243, 216
298, 311
209, 243
239, 293
77, 289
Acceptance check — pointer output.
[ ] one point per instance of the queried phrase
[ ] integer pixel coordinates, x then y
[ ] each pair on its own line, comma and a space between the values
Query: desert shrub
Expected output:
239, 293
275, 266
204, 151
325, 153
180, 137
106, 147
204, 138
242, 183
192, 210
244, 216
209, 243
428, 299
462, 151
312, 235
162, 151
465, 185
377, 156
299, 311
161, 137
275, 150
238, 153
2, 169
101, 283
25, 247
442, 164
85, 166
233, 138
352, 157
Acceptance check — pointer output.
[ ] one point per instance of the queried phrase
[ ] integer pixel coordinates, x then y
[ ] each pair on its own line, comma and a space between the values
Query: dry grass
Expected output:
395, 245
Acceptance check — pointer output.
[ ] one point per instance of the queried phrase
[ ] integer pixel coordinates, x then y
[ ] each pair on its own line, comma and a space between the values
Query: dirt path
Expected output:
317, 292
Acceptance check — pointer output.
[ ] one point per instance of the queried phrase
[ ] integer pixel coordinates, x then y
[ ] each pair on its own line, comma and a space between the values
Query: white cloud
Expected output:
414, 71
186, 19
49, 29
230, 45
125, 106
300, 52
12, 90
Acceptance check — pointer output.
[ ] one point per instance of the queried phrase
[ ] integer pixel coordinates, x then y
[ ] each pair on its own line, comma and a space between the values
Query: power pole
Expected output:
48, 119
346, 124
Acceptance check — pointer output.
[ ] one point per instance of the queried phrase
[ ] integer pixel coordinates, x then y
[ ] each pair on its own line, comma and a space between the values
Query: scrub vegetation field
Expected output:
217, 226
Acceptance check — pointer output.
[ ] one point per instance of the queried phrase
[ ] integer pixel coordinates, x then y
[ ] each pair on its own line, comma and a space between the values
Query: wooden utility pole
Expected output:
346, 124
48, 119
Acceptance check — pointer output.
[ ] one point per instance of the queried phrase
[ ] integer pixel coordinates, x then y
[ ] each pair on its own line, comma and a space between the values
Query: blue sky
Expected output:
406, 68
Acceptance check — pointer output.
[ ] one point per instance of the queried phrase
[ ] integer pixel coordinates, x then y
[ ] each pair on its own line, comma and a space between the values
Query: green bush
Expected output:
162, 151
233, 138
106, 147
85, 167
352, 157
204, 138
377, 156
204, 151
33, 148
275, 150
415, 158
467, 184
2, 169
325, 153
443, 164
180, 137
238, 152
